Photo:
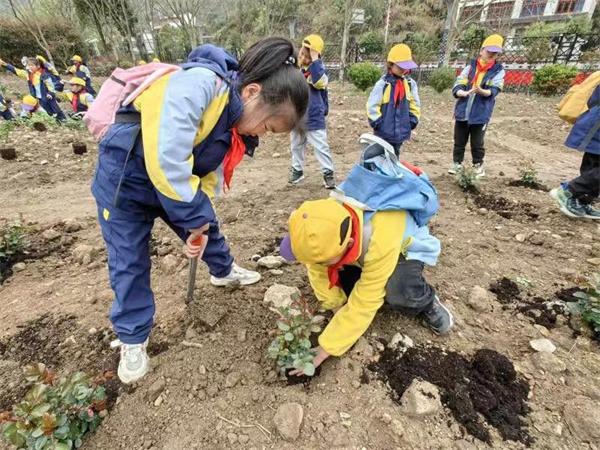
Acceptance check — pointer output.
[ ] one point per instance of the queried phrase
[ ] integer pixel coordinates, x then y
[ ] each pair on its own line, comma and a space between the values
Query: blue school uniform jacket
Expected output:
318, 106
585, 134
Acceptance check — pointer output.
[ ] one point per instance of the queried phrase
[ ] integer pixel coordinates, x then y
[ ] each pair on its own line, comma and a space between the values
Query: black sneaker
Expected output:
296, 176
328, 180
438, 317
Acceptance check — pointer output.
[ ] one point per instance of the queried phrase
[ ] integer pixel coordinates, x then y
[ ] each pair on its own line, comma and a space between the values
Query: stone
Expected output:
276, 272
243, 438
542, 345
232, 379
71, 226
479, 299
271, 262
402, 341
288, 420
158, 401
521, 237
50, 234
594, 261
542, 330
19, 267
582, 416
242, 335
84, 254
169, 263
156, 389
420, 399
548, 362
281, 296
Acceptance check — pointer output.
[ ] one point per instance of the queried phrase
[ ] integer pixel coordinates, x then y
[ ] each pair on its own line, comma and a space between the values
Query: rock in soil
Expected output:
156, 389
420, 399
170, 264
8, 153
548, 362
84, 254
19, 267
479, 299
485, 385
288, 420
232, 379
280, 295
402, 341
583, 419
271, 262
542, 345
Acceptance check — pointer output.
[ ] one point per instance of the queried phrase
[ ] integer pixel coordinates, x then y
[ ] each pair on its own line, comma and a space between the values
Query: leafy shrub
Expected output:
467, 179
56, 413
371, 43
529, 175
554, 79
442, 78
74, 124
588, 306
472, 37
291, 347
364, 75
12, 241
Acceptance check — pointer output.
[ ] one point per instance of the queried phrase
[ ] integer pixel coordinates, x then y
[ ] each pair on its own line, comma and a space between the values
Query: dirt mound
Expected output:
506, 290
487, 384
543, 312
506, 208
567, 294
535, 185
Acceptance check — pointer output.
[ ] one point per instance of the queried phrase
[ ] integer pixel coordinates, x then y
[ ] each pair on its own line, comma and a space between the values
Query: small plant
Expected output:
56, 413
47, 121
73, 124
364, 75
529, 175
291, 348
442, 79
12, 241
588, 305
467, 179
554, 79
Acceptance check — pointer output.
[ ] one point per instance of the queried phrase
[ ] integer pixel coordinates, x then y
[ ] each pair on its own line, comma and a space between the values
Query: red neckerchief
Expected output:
351, 255
233, 157
414, 169
399, 92
482, 68
75, 101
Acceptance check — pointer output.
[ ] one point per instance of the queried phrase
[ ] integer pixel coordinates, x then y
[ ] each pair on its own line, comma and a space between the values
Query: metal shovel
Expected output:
201, 240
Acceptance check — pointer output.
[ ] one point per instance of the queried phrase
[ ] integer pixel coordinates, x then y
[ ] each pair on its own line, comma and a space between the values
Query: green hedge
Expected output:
442, 79
554, 79
364, 75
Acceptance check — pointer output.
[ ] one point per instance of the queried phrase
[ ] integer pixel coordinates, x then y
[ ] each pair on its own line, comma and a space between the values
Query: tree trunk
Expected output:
105, 46
347, 22
448, 34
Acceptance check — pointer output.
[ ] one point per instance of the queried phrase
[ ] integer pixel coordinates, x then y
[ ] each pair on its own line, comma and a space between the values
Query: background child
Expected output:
575, 197
78, 96
40, 85
394, 107
80, 70
476, 89
6, 111
30, 106
316, 131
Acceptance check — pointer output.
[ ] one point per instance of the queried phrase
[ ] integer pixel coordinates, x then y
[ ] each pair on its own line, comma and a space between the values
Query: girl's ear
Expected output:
251, 90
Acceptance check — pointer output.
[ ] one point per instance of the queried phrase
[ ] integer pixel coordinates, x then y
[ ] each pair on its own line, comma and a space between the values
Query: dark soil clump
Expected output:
39, 126
8, 153
535, 185
506, 290
79, 148
486, 385
567, 294
505, 208
542, 312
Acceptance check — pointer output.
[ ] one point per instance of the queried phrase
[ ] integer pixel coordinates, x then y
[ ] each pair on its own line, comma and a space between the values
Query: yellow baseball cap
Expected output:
401, 55
493, 43
319, 231
78, 81
141, 62
155, 60
76, 58
314, 42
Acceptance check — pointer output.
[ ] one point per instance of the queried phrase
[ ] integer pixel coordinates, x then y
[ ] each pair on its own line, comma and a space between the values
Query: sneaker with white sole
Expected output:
456, 167
438, 317
296, 176
237, 275
134, 363
479, 170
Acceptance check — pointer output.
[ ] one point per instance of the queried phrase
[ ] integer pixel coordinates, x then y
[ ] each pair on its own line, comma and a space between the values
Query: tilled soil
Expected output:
220, 389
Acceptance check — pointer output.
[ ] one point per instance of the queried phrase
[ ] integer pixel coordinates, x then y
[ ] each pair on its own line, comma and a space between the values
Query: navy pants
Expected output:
7, 115
586, 187
127, 209
51, 106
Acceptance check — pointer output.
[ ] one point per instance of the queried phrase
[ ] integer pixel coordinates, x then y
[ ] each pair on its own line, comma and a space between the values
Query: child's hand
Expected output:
321, 356
193, 248
462, 93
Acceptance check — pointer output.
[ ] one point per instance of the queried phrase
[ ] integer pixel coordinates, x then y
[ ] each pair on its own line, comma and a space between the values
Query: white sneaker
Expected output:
237, 274
479, 170
456, 167
134, 363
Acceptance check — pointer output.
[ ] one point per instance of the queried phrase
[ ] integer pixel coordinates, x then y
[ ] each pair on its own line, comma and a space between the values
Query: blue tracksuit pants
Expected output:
126, 229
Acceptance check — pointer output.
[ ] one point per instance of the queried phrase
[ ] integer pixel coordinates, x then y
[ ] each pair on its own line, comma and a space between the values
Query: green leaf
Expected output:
37, 433
308, 369
12, 435
283, 326
289, 337
78, 443
40, 410
62, 446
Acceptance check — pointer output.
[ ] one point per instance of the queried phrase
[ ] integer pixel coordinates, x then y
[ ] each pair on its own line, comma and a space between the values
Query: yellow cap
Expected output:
319, 231
78, 81
155, 60
41, 59
493, 43
30, 100
141, 62
401, 55
76, 58
314, 42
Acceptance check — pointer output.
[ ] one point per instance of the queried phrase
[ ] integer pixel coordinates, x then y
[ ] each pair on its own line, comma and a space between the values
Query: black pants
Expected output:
462, 132
406, 291
586, 187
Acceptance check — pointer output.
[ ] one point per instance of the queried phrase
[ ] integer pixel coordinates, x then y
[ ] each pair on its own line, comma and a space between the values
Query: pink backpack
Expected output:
120, 89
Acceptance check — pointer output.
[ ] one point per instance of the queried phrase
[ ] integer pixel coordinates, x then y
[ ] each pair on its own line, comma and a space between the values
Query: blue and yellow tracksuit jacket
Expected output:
477, 109
585, 134
318, 106
41, 86
79, 102
390, 121
82, 71
5, 111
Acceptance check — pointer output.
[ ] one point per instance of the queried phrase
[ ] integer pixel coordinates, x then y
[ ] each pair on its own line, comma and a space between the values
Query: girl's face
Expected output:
304, 56
259, 118
75, 88
32, 67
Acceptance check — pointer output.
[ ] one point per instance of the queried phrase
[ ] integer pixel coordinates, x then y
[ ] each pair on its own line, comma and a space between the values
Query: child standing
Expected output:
40, 85
476, 89
394, 107
316, 132
80, 70
575, 197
